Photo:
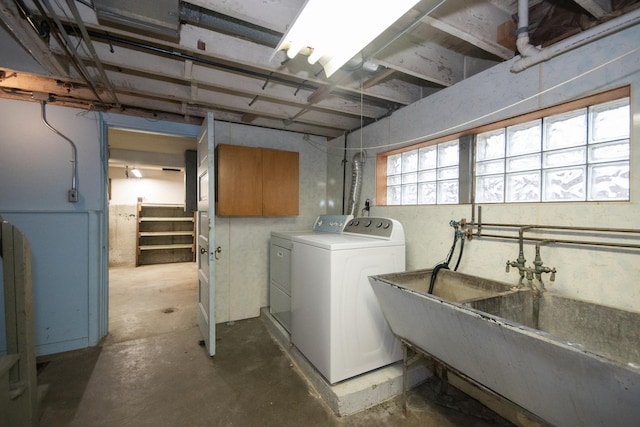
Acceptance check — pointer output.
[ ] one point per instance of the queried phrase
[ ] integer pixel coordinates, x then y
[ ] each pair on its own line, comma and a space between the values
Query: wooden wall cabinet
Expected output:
254, 181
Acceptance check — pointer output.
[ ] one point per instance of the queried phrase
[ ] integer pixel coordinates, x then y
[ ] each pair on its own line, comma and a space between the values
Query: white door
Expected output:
206, 236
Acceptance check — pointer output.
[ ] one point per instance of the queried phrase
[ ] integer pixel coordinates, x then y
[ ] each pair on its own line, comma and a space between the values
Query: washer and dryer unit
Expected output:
336, 322
280, 264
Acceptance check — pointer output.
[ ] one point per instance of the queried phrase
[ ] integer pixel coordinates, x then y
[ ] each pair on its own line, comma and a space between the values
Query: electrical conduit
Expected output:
73, 193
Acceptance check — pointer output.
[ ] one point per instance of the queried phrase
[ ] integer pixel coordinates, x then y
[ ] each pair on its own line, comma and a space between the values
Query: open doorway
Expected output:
152, 269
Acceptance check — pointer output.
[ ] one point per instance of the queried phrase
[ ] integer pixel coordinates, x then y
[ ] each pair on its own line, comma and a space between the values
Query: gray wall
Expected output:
35, 175
242, 270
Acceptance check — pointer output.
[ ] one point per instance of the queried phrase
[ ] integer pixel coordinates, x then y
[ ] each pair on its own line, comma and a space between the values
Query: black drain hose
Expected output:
460, 254
434, 274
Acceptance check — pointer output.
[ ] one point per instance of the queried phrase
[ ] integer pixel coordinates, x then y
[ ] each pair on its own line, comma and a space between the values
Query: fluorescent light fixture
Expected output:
332, 32
136, 173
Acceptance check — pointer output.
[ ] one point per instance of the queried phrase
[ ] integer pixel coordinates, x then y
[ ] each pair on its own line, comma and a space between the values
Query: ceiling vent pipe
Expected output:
531, 55
356, 183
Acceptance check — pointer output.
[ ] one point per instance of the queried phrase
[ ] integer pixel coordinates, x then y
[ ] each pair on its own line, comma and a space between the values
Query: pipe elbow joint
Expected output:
525, 48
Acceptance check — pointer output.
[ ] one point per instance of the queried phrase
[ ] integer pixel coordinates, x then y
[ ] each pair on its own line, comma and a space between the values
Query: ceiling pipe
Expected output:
204, 18
531, 55
42, 30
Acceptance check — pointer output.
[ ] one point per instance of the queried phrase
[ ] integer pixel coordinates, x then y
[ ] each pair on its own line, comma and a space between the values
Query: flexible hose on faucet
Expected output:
460, 254
434, 274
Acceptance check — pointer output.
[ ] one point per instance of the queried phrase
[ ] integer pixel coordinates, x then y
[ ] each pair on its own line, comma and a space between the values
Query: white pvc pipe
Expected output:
523, 14
531, 55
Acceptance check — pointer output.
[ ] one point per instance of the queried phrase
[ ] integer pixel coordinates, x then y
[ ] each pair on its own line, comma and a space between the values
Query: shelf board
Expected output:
160, 205
166, 233
166, 219
174, 246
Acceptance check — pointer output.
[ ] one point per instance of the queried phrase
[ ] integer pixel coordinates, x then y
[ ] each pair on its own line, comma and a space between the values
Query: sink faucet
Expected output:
520, 265
538, 269
529, 272
520, 262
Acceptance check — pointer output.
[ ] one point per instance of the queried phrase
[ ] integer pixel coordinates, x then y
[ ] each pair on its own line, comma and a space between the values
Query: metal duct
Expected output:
205, 18
356, 183
157, 17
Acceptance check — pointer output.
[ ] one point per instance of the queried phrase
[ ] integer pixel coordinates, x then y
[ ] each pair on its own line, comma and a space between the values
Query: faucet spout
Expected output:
539, 268
533, 273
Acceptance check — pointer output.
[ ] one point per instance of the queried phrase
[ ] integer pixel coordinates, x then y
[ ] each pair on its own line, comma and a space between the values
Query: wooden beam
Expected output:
597, 8
378, 77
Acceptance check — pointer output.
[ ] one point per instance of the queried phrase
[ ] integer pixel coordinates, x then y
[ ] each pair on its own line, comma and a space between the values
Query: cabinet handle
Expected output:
202, 250
280, 254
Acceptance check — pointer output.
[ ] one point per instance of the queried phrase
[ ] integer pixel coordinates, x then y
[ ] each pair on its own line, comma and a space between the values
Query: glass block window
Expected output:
424, 176
578, 155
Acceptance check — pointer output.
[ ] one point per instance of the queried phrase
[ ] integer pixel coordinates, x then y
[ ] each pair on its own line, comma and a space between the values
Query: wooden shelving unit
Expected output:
165, 234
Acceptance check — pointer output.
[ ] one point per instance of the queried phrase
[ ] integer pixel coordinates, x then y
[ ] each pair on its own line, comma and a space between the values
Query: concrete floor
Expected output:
151, 371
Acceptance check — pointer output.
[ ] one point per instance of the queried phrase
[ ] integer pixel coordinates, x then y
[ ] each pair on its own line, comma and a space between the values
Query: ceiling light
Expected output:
332, 32
136, 173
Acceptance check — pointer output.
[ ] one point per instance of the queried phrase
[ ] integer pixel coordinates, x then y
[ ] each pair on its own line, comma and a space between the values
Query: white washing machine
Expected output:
280, 264
337, 323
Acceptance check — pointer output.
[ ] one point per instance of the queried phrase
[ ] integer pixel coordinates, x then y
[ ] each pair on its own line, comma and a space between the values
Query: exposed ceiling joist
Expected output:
222, 58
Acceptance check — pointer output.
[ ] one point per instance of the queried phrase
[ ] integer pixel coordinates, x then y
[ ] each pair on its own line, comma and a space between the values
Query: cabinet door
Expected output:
280, 188
239, 181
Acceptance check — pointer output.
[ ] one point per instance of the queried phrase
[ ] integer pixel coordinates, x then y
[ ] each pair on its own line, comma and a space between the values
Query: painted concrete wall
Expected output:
242, 270
601, 275
155, 186
35, 175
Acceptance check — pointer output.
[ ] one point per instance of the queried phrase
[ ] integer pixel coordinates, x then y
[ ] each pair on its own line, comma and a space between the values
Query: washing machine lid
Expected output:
322, 224
337, 242
287, 235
